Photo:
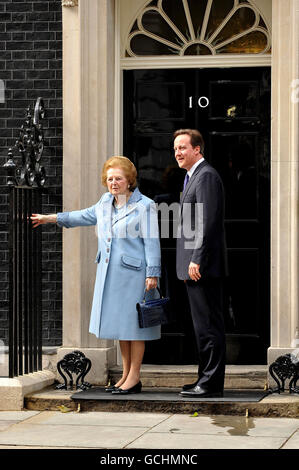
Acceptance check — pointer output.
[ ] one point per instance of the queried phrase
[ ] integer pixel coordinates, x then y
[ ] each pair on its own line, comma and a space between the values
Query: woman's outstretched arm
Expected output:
39, 219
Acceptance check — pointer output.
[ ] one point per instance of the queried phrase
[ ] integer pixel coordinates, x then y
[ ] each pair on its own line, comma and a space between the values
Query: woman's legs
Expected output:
136, 356
125, 349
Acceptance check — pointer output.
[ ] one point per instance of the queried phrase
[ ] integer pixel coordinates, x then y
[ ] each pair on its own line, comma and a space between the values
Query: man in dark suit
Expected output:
201, 260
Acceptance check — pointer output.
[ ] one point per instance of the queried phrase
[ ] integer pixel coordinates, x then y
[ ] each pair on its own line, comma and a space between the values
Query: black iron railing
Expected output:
26, 177
25, 325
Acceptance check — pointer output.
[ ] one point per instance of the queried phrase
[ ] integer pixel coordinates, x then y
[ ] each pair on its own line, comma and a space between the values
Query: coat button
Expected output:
107, 260
108, 249
109, 239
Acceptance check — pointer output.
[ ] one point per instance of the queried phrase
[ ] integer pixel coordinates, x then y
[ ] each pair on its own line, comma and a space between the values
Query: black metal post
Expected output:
25, 325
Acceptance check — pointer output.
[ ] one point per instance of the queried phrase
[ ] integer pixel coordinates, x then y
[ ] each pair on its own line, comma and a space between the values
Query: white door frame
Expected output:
164, 62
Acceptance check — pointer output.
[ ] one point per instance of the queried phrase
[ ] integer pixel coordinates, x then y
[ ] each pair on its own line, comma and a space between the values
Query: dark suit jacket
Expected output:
201, 236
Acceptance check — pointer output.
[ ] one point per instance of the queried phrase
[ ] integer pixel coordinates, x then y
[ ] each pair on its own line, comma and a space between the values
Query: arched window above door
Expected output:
198, 27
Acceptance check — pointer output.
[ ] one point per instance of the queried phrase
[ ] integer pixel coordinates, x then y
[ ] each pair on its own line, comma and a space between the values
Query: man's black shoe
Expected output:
200, 392
189, 386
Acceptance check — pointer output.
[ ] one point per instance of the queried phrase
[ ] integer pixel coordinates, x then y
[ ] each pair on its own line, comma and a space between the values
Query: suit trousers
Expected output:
206, 303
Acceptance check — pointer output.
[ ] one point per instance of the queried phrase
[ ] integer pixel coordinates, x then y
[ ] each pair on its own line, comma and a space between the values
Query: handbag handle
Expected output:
158, 289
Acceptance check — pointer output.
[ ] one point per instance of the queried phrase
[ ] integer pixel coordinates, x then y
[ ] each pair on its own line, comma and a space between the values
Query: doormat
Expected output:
150, 395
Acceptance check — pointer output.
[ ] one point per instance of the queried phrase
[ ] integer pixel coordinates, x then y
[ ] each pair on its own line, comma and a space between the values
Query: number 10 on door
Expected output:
202, 102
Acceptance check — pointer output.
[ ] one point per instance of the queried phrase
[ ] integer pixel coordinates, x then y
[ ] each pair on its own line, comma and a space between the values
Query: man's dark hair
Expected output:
196, 138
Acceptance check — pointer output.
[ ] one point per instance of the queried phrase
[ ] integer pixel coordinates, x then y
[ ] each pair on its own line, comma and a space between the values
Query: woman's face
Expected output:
117, 182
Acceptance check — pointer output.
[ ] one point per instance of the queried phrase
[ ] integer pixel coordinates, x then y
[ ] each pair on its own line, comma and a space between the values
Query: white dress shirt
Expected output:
193, 168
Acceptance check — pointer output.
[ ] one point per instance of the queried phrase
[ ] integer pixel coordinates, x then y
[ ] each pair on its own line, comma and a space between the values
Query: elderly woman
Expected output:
128, 264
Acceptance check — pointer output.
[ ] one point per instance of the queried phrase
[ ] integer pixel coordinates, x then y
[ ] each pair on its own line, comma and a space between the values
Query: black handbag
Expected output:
153, 312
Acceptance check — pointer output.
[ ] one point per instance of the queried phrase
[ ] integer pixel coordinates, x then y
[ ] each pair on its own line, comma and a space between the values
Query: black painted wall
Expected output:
31, 66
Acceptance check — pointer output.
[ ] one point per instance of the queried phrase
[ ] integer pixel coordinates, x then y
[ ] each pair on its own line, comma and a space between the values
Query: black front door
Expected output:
231, 107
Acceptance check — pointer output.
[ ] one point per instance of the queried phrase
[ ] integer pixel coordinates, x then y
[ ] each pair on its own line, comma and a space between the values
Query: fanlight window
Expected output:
198, 27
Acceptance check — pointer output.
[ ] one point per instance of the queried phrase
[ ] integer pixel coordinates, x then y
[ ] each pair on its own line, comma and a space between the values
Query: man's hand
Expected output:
193, 271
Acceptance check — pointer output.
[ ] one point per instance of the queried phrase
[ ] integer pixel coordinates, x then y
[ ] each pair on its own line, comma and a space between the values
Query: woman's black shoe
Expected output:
136, 389
111, 388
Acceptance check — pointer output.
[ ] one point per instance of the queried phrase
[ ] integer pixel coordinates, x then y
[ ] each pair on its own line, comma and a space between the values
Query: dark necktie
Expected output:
186, 181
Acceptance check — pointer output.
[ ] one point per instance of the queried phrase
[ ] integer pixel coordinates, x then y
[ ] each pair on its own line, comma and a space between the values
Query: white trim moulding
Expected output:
223, 60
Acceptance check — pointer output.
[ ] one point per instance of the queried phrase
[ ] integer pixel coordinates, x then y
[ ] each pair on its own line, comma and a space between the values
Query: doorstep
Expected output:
236, 376
273, 405
169, 379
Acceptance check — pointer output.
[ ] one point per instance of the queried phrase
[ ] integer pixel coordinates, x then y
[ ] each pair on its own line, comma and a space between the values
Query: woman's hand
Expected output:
39, 219
151, 283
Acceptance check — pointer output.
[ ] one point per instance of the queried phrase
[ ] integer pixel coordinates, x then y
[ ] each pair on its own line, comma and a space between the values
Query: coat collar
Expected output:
135, 197
108, 199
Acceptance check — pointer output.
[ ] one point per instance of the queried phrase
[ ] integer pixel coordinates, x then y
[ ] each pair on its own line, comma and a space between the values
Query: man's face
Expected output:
184, 153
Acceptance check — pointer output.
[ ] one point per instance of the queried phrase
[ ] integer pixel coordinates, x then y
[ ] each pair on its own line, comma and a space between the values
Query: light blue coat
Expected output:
128, 252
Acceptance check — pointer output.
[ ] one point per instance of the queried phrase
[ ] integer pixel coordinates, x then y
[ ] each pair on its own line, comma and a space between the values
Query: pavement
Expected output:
127, 431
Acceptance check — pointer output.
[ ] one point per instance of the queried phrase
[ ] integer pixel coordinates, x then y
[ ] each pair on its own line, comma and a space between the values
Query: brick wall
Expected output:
31, 66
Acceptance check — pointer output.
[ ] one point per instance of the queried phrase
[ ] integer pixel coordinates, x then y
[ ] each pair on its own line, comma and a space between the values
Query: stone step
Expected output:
273, 405
175, 376
169, 379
